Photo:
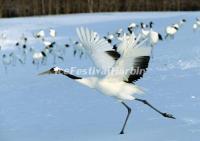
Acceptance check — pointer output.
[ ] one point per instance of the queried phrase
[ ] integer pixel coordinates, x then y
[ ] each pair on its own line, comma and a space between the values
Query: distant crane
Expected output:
154, 36
196, 25
6, 60
172, 30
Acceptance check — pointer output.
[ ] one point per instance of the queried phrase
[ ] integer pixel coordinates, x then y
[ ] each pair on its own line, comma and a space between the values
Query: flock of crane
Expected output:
121, 50
57, 50
22, 50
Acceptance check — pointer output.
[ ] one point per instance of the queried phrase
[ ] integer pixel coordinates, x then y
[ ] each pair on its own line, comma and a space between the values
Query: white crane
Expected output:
119, 32
6, 60
3, 38
109, 37
56, 50
144, 31
52, 32
171, 30
40, 35
154, 36
38, 57
48, 44
181, 22
22, 43
196, 25
119, 85
132, 27
22, 46
198, 21
78, 48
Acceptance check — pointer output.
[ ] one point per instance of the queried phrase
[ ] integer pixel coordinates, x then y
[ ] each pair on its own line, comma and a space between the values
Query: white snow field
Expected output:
54, 108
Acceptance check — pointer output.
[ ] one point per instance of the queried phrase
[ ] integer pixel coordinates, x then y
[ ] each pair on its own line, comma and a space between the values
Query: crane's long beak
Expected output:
45, 73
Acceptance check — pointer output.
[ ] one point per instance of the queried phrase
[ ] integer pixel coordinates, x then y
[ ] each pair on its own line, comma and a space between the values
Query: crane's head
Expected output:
54, 70
4, 56
143, 26
183, 20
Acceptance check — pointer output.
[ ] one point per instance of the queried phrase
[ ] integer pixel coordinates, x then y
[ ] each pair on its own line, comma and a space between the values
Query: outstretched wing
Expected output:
140, 65
133, 63
97, 48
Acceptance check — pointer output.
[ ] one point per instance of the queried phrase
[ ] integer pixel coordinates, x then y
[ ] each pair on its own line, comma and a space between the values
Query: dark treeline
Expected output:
15, 8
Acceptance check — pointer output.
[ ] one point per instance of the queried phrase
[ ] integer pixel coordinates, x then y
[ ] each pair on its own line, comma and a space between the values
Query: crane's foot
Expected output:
121, 133
167, 115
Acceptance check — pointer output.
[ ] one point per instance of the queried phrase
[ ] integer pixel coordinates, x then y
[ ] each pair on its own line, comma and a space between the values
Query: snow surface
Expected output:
54, 108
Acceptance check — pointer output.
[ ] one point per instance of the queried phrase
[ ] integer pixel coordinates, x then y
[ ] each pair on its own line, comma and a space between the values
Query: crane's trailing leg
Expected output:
129, 112
167, 115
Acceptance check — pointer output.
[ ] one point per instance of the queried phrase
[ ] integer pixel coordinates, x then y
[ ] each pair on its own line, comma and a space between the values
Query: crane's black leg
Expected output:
129, 112
167, 115
166, 36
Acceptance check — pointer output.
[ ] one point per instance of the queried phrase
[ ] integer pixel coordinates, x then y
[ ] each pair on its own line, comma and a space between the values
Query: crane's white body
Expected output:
6, 60
46, 43
198, 22
145, 33
112, 87
118, 89
170, 30
37, 56
41, 33
154, 37
3, 38
112, 84
52, 32
196, 25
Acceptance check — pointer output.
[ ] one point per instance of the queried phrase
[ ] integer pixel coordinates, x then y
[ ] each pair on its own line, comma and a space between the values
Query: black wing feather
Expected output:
114, 54
160, 37
140, 66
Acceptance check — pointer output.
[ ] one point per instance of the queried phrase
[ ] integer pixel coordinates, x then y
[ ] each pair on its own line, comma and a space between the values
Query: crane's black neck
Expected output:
69, 75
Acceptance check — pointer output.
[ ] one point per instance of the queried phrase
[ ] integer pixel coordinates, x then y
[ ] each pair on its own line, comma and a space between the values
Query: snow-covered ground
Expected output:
50, 108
